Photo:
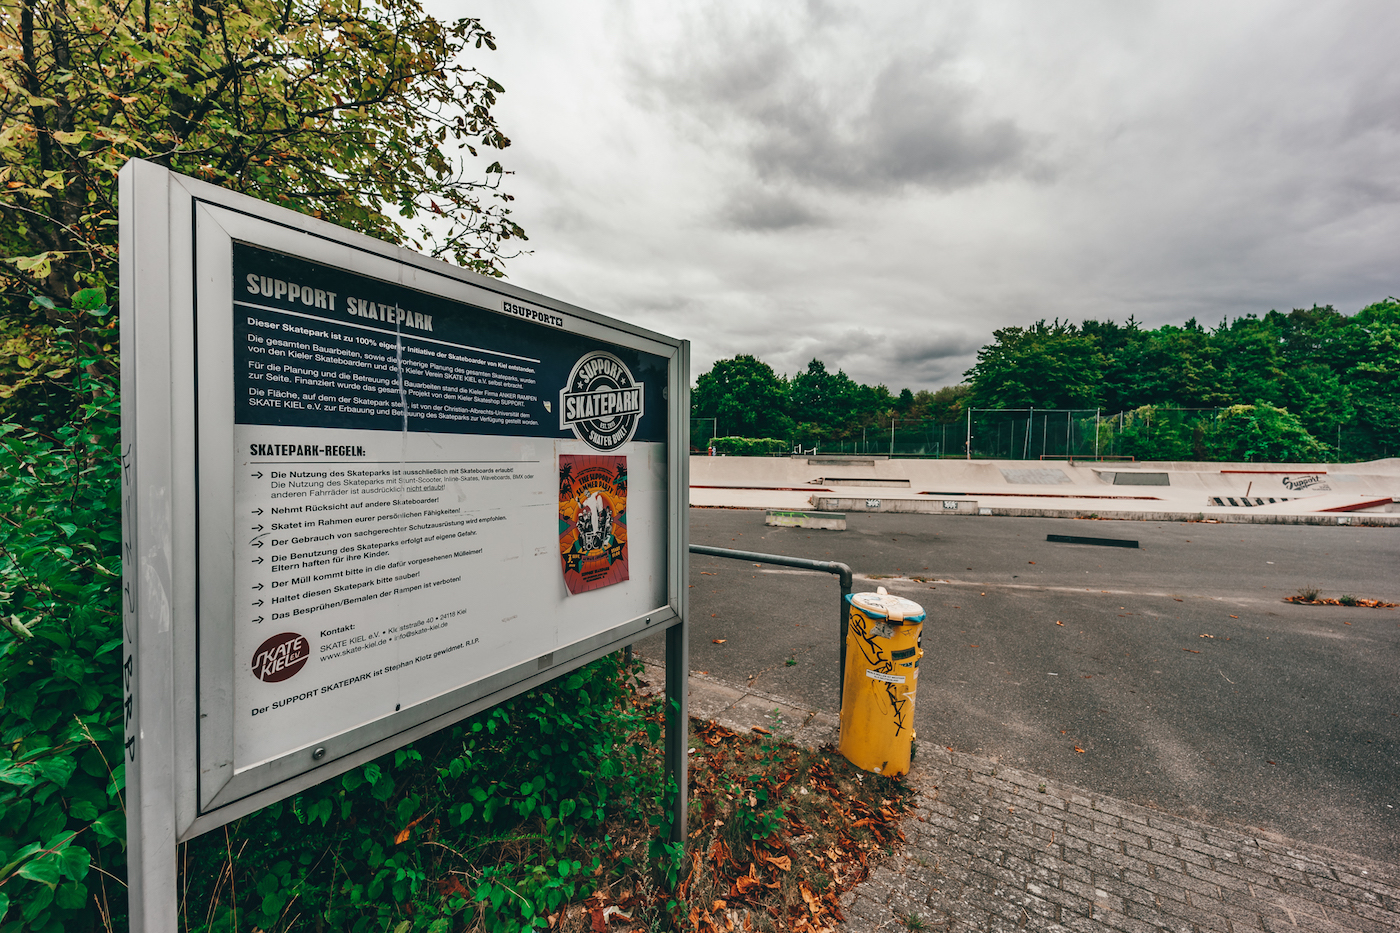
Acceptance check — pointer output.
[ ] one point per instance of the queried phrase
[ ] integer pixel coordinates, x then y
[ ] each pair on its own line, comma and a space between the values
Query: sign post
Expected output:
365, 495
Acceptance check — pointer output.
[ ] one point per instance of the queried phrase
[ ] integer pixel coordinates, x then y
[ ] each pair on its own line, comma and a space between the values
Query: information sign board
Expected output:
365, 494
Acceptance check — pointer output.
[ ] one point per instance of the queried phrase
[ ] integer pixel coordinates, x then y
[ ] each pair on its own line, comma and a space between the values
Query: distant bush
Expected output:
1261, 432
1157, 433
749, 446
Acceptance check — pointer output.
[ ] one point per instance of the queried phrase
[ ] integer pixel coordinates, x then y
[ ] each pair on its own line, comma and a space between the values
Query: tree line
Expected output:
1318, 378
746, 398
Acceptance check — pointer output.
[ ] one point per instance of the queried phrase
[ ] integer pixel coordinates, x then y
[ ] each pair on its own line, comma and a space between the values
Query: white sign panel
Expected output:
396, 507
366, 494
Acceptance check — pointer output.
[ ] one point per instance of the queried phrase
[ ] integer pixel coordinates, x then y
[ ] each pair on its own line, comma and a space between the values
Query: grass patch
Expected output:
1310, 597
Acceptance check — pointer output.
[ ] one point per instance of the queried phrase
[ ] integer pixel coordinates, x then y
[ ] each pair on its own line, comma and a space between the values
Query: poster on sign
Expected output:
592, 521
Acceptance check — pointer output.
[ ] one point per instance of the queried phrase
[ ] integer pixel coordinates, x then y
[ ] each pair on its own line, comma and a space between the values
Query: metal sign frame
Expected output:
175, 241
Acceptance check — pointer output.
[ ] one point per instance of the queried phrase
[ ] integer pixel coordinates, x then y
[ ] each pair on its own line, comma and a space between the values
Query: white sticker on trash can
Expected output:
887, 678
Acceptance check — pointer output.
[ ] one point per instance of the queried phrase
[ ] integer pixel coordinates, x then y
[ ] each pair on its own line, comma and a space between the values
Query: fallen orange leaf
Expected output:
1078, 749
402, 837
761, 731
1234, 617
746, 883
719, 641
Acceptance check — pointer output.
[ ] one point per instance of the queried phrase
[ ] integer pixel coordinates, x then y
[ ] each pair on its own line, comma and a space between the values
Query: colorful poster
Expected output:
592, 520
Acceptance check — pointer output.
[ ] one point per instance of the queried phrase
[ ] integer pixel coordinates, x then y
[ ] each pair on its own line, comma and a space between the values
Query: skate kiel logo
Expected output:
280, 657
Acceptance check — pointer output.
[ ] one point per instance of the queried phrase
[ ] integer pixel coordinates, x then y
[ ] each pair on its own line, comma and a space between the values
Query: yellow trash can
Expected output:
882, 671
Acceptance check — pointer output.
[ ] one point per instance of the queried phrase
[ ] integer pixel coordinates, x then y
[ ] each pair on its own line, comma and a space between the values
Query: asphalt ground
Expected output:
1172, 675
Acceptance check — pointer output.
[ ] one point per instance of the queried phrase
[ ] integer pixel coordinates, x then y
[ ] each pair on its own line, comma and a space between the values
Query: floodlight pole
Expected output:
969, 434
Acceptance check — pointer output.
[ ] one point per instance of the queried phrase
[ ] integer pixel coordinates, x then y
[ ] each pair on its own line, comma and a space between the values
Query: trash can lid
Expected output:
882, 605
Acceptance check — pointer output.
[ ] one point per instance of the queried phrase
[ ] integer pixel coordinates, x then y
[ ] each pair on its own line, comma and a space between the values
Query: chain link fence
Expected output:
1036, 434
1148, 433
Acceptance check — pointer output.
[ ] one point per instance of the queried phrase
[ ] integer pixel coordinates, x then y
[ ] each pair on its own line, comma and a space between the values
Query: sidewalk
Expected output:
992, 848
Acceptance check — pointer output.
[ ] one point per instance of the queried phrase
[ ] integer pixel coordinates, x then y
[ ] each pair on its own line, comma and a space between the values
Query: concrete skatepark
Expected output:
1111, 738
1173, 491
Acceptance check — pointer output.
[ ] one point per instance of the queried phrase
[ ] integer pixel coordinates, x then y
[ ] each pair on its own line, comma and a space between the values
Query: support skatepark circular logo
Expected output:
602, 402
280, 657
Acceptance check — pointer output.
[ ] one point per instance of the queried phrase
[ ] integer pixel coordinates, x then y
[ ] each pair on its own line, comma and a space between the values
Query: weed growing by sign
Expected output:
62, 826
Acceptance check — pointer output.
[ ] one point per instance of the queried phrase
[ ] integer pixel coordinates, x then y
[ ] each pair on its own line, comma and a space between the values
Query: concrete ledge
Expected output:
1243, 517
826, 521
930, 505
860, 481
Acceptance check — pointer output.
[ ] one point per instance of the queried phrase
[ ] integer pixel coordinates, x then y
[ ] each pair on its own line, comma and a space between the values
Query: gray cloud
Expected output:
916, 127
835, 121
761, 209
884, 185
875, 356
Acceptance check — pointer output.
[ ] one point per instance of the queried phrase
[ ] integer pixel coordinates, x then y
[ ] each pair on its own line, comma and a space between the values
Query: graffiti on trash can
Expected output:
880, 668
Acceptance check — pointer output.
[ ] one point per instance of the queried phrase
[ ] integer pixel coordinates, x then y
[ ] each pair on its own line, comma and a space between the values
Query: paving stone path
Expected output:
992, 848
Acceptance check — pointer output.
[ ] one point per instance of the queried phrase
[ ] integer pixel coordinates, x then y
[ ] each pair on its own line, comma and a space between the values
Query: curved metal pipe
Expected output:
826, 566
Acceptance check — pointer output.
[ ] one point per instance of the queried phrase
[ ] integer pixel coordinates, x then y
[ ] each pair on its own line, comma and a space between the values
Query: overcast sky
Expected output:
880, 185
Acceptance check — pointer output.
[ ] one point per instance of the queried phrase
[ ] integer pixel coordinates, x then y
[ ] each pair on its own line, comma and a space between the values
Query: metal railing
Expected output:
825, 566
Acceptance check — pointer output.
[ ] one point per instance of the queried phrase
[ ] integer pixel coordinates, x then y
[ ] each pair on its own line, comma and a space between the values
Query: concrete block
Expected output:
826, 521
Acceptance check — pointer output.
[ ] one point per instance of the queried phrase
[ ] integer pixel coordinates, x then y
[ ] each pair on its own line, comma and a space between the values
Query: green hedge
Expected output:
62, 827
749, 446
